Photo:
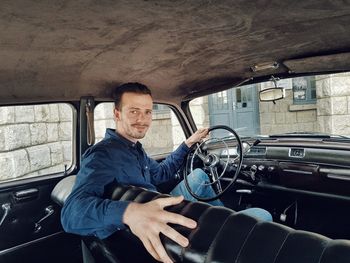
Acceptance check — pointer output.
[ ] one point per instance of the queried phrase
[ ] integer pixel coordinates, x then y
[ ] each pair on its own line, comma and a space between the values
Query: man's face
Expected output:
134, 116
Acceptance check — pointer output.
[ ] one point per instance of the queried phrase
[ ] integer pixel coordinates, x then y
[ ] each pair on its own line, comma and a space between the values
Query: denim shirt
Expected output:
114, 159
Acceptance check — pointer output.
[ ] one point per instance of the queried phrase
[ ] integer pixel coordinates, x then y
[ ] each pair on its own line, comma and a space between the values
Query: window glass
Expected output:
221, 100
164, 135
238, 95
35, 140
313, 104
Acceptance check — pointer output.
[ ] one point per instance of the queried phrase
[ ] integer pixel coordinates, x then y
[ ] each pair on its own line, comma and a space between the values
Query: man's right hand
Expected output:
150, 219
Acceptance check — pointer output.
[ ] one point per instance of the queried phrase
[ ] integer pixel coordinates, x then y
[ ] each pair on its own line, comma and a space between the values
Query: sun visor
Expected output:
327, 63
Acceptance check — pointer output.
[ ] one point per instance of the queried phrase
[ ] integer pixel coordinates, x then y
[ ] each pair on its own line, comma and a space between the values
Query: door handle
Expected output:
48, 212
244, 191
25, 195
6, 207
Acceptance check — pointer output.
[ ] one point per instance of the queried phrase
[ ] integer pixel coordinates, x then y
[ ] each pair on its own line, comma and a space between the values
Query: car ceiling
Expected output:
65, 49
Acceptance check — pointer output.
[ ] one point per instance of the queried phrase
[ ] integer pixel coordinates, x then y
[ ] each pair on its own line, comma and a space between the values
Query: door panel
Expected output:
32, 231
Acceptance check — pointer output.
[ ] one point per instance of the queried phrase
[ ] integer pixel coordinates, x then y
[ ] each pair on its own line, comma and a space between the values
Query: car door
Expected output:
36, 146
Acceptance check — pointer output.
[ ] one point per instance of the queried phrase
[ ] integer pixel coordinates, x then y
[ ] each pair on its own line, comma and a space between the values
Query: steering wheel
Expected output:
216, 163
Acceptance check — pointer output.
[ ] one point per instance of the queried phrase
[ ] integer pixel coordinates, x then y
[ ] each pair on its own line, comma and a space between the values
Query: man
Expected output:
120, 158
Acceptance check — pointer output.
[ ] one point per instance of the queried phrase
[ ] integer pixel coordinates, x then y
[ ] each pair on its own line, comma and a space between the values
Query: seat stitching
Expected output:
279, 250
245, 241
211, 244
192, 233
324, 249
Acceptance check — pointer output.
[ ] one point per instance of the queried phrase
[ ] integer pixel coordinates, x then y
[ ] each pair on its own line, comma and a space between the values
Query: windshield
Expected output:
313, 106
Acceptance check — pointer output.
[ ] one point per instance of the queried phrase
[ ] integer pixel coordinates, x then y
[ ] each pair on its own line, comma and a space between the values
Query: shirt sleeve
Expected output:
166, 170
85, 211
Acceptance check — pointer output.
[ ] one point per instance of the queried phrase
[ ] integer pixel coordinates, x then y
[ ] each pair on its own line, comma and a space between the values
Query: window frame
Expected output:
310, 85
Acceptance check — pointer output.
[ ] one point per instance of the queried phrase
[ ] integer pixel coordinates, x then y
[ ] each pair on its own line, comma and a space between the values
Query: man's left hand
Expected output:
198, 136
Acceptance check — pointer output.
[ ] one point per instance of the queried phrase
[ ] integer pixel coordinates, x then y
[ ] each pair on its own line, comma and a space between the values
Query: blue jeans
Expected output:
195, 181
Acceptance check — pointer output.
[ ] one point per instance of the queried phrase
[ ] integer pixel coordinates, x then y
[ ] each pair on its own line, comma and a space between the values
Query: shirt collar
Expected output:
113, 134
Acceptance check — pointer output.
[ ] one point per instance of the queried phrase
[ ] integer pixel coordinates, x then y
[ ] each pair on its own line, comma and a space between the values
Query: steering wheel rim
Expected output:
214, 163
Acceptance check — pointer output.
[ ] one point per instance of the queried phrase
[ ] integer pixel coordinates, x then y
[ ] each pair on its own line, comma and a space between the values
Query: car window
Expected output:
164, 135
35, 140
315, 104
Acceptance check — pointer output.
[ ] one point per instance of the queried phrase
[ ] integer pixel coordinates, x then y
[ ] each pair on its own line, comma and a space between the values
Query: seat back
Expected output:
63, 189
221, 236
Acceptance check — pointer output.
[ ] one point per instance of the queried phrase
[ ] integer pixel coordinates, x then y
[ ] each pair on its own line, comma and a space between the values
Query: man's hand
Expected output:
199, 135
148, 220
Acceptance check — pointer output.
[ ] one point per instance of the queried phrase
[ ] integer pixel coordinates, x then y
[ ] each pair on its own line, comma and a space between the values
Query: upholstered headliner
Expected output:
65, 49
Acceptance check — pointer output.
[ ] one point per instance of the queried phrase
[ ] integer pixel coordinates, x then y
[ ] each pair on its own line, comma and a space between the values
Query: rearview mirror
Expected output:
272, 94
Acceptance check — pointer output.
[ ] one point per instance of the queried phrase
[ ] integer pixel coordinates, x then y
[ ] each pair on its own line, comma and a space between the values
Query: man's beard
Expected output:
135, 133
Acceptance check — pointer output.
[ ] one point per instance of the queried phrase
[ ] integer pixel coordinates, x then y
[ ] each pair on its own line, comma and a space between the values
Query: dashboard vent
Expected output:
297, 152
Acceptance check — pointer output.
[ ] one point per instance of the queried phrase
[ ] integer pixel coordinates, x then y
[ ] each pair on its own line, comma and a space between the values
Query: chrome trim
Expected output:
6, 207
297, 171
335, 171
11, 249
338, 177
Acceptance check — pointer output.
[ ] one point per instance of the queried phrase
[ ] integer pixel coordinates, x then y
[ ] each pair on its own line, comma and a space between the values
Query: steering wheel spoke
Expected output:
211, 160
201, 156
215, 179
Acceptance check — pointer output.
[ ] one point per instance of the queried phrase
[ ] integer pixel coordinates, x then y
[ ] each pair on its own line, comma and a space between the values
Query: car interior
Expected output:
270, 79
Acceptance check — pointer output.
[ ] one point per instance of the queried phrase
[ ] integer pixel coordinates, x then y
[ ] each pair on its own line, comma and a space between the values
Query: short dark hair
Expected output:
133, 87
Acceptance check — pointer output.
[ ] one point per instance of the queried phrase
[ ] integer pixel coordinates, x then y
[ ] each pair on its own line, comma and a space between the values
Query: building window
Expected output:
220, 100
304, 90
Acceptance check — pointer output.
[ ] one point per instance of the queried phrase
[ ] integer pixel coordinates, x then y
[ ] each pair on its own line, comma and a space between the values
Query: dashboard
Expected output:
314, 166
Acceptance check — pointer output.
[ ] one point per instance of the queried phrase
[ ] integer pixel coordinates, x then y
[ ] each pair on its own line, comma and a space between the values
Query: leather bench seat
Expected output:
221, 236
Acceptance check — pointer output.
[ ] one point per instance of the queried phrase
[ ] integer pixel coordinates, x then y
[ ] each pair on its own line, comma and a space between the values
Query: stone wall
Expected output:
200, 111
333, 103
103, 115
159, 138
283, 116
177, 131
34, 140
